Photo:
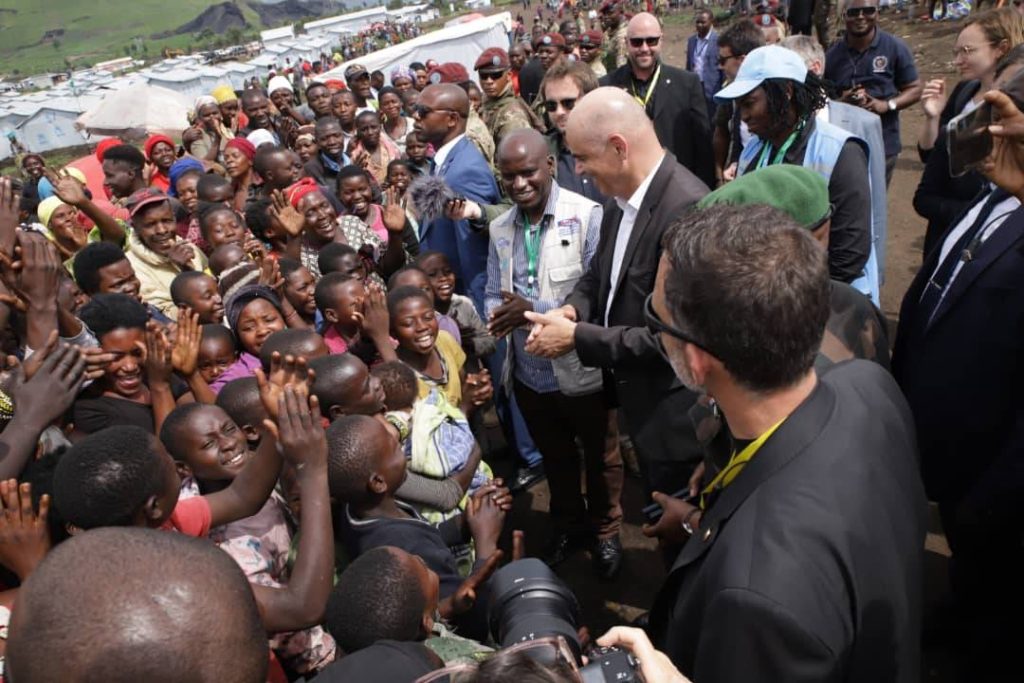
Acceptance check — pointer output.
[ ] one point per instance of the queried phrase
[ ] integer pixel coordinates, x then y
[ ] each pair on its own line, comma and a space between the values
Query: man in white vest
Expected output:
539, 249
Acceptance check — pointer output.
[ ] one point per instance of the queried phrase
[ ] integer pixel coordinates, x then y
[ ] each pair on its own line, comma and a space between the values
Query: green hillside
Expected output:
93, 31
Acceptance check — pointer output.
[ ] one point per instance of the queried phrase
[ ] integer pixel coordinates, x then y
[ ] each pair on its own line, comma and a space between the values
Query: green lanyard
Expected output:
531, 241
781, 154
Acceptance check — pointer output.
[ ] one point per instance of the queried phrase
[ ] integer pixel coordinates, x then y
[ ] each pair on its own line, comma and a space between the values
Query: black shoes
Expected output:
607, 556
527, 477
560, 547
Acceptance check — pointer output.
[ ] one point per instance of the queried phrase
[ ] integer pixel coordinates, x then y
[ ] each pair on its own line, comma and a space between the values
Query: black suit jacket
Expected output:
679, 112
963, 376
654, 401
808, 566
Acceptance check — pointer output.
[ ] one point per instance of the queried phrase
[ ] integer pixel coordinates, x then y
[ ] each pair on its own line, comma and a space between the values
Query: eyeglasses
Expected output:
652, 41
657, 326
550, 650
551, 106
422, 111
965, 50
723, 60
491, 75
855, 12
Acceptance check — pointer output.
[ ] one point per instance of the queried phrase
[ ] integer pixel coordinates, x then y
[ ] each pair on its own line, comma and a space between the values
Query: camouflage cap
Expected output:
492, 58
797, 191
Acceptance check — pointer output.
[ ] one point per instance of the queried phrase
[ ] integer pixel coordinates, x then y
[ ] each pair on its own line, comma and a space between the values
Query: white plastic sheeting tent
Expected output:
462, 44
138, 111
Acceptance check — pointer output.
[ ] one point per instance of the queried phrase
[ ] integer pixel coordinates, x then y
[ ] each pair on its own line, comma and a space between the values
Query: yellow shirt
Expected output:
452, 360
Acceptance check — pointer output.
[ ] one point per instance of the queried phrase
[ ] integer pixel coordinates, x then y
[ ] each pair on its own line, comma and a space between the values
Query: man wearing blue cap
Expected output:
777, 98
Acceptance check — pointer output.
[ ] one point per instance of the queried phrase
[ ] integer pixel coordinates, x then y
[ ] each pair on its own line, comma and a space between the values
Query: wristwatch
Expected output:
892, 105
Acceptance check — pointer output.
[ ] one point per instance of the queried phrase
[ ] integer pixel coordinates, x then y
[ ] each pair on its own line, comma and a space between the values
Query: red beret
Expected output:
492, 58
555, 39
591, 38
766, 20
449, 72
609, 5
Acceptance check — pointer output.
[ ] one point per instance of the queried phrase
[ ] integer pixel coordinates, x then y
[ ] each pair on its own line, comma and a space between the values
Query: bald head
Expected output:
643, 24
526, 168
610, 111
613, 141
183, 612
446, 108
446, 96
523, 142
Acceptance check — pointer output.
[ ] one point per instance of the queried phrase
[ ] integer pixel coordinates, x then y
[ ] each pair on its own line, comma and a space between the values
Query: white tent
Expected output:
136, 111
462, 44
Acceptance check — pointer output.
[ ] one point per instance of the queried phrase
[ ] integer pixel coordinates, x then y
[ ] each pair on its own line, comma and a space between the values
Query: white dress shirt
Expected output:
1000, 212
630, 208
441, 154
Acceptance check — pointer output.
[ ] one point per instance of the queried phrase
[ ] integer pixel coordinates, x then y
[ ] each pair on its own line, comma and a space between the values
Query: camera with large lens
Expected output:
529, 601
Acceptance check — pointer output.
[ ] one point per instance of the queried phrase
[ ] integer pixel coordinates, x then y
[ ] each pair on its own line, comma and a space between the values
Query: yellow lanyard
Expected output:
642, 101
736, 464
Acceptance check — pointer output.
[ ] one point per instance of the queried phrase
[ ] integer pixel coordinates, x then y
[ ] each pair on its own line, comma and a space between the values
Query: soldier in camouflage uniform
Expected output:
590, 52
476, 129
855, 328
502, 111
613, 21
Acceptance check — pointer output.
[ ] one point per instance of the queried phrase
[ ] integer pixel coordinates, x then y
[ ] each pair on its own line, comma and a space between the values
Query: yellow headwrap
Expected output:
46, 209
224, 93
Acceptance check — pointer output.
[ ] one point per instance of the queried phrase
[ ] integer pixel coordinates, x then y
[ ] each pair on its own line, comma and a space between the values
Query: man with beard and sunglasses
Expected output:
673, 98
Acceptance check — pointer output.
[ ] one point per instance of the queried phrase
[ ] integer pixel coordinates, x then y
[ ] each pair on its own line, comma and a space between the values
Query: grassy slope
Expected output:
95, 29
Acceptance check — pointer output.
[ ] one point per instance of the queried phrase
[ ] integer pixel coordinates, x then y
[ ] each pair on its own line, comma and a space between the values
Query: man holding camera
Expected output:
874, 70
805, 551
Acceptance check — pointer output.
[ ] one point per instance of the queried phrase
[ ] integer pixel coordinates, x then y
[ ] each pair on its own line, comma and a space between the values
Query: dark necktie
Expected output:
938, 283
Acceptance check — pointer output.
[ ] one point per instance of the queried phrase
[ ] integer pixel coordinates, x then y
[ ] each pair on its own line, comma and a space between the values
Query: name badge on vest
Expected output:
567, 228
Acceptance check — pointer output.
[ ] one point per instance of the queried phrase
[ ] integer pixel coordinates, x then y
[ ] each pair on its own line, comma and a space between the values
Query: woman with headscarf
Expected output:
322, 225
184, 176
159, 151
231, 115
253, 312
208, 137
402, 78
238, 157
304, 143
63, 227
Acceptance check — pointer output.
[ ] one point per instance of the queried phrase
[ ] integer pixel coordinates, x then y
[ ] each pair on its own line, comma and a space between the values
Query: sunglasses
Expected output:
551, 106
855, 12
722, 61
657, 326
422, 111
491, 75
652, 41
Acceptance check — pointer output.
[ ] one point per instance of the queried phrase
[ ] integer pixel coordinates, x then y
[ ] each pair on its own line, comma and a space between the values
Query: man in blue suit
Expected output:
702, 57
440, 116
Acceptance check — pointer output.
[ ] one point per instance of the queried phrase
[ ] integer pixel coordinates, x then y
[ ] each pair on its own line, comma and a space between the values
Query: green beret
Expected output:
795, 190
